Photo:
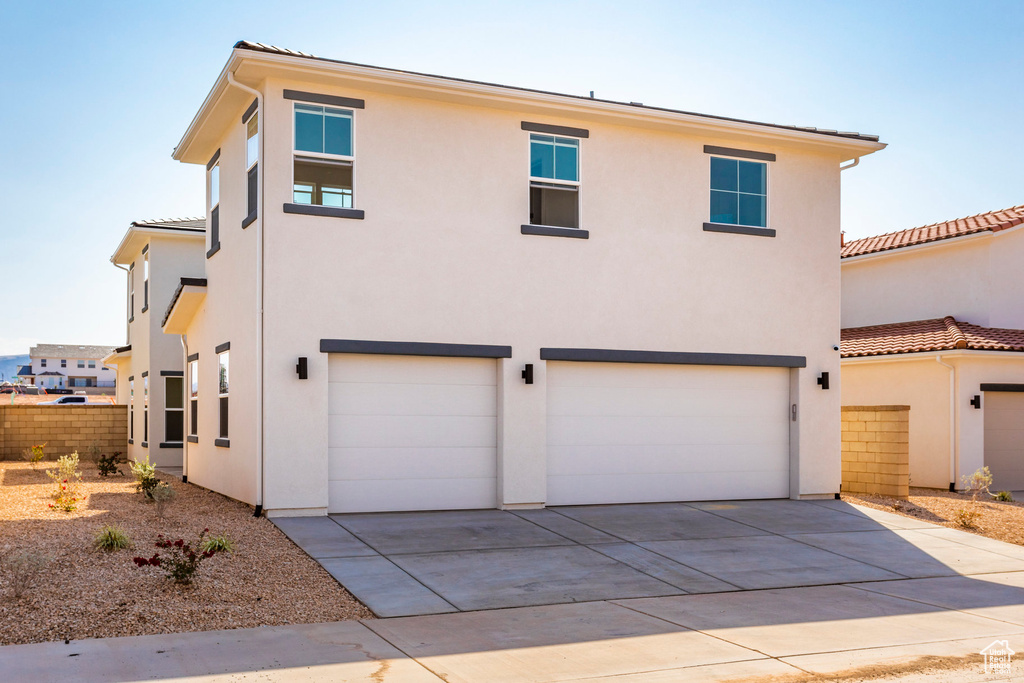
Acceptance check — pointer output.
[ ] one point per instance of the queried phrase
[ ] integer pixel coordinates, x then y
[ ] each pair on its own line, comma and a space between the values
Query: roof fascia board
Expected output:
181, 233
930, 355
560, 104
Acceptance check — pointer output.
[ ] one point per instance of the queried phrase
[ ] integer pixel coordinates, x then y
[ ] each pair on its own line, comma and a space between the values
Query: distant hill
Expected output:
9, 366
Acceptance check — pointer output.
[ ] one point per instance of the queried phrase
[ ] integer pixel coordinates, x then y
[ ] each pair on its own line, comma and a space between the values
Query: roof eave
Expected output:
119, 257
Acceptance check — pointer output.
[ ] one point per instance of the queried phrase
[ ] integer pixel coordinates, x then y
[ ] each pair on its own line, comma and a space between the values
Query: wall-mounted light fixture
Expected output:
823, 380
976, 402
528, 373
302, 368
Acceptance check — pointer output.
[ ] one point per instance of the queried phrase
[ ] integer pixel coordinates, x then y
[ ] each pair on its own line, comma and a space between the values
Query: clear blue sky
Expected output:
96, 94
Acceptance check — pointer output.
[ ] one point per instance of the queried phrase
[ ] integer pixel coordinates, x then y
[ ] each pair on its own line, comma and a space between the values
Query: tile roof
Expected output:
173, 223
72, 351
25, 371
937, 334
273, 49
993, 221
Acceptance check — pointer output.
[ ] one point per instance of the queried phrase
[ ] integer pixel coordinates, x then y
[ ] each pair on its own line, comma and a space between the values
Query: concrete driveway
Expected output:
406, 564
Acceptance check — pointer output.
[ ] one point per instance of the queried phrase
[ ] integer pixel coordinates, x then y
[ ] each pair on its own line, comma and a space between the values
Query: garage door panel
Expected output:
391, 495
660, 459
667, 401
411, 369
411, 463
411, 431
643, 375
347, 398
618, 488
691, 430
1004, 439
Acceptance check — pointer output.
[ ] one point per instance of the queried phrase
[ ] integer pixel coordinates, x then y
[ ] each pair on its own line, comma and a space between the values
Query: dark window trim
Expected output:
248, 220
145, 374
556, 130
250, 111
172, 373
144, 308
213, 250
192, 438
194, 356
673, 358
131, 378
145, 249
222, 443
740, 153
739, 229
1002, 387
332, 211
131, 442
551, 231
213, 160
335, 100
144, 444
131, 319
221, 348
172, 444
390, 348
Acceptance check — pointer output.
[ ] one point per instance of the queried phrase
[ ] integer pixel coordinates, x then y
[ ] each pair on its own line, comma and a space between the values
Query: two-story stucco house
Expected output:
68, 366
431, 293
155, 255
933, 318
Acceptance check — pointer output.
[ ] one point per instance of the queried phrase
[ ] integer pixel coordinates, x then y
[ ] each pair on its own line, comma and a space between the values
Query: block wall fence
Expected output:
876, 450
63, 429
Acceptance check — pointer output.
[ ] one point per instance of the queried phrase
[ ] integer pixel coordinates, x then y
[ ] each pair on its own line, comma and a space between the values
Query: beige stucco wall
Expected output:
976, 279
876, 449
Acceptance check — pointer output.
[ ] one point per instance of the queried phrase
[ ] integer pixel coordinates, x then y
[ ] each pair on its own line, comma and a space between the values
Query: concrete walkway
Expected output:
406, 564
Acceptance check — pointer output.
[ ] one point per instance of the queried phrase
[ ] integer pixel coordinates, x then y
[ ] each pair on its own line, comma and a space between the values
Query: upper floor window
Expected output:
64, 362
252, 155
554, 181
42, 362
324, 156
213, 180
92, 364
131, 292
145, 281
81, 363
739, 192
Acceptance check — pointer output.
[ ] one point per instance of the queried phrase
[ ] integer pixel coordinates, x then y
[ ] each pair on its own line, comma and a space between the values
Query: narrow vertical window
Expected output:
131, 409
324, 156
252, 156
42, 362
222, 392
554, 181
174, 409
131, 292
145, 409
145, 281
193, 398
214, 194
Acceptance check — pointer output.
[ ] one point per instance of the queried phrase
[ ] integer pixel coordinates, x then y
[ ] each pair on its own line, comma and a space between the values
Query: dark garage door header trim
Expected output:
673, 358
390, 348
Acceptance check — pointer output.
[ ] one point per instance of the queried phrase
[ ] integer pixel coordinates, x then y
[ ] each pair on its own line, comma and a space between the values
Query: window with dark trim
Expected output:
174, 409
145, 408
554, 181
131, 292
213, 182
739, 192
193, 397
131, 408
222, 392
252, 156
145, 282
324, 156
42, 362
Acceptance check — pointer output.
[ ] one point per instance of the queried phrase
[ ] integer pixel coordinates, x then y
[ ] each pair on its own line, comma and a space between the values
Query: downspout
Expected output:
186, 404
850, 165
259, 290
953, 445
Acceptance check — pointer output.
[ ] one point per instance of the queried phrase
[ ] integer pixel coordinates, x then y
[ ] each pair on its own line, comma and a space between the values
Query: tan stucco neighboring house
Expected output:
933, 319
155, 255
430, 293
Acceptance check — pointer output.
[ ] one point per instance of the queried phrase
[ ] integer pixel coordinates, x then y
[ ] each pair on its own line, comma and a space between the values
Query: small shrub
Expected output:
36, 454
163, 495
183, 561
111, 538
22, 568
977, 483
220, 544
94, 451
1004, 497
966, 518
145, 477
108, 464
68, 481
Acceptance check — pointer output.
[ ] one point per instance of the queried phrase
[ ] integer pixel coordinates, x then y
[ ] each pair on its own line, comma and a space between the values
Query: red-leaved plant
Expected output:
182, 561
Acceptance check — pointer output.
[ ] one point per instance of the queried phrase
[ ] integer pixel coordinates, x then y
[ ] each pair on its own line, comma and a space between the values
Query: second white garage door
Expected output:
411, 433
1004, 439
628, 433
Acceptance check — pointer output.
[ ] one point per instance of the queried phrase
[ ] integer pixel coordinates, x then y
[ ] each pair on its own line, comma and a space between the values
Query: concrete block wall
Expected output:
63, 429
876, 450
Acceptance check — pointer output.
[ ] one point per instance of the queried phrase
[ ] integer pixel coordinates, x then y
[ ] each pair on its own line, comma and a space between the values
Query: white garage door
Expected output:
411, 433
630, 433
1004, 439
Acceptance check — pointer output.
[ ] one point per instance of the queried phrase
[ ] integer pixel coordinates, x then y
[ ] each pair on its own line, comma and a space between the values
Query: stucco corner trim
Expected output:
390, 348
1002, 387
672, 357
549, 231
222, 443
330, 211
739, 229
740, 153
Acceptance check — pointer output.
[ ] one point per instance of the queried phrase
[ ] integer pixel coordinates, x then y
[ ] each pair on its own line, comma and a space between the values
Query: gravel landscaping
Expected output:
84, 593
998, 520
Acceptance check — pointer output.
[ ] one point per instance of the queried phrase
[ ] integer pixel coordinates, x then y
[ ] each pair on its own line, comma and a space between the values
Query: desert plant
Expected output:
107, 464
1004, 497
145, 476
111, 538
94, 451
66, 499
220, 544
22, 568
68, 481
967, 518
977, 483
183, 561
163, 494
36, 454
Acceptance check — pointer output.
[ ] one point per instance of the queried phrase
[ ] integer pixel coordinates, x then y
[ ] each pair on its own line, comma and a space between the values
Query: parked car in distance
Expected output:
66, 400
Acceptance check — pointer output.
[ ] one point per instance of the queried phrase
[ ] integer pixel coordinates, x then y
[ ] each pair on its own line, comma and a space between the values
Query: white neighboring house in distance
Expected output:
68, 366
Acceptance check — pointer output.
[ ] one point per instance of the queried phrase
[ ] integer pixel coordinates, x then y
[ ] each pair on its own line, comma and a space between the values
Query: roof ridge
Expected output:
957, 335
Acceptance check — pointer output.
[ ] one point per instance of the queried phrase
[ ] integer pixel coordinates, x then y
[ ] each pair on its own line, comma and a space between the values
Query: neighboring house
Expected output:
150, 367
933, 318
68, 366
430, 293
